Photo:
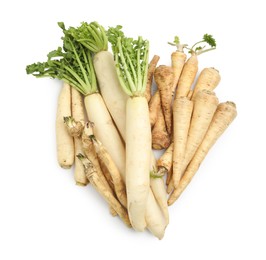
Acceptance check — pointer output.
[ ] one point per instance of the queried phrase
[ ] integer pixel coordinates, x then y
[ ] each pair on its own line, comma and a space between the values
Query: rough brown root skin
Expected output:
164, 77
151, 69
160, 137
154, 106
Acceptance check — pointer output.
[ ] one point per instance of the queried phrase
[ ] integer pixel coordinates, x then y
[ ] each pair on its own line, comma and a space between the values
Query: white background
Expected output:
44, 215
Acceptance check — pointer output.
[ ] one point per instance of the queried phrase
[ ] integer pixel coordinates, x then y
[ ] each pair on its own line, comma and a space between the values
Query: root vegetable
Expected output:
107, 161
223, 117
164, 77
151, 69
165, 162
182, 111
79, 116
205, 105
208, 79
154, 107
190, 68
178, 59
131, 58
160, 136
96, 182
64, 142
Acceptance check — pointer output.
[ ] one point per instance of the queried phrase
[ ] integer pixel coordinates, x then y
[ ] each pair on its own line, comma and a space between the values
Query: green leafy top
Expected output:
72, 64
177, 43
131, 58
198, 48
91, 36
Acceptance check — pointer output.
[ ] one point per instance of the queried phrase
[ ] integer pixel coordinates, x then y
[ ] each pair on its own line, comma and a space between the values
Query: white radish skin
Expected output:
106, 75
78, 115
156, 223
112, 93
64, 142
138, 153
105, 130
159, 191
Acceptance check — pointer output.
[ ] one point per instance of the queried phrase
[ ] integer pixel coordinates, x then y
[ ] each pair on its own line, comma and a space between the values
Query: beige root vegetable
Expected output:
205, 105
164, 77
158, 189
151, 69
223, 117
190, 94
96, 182
75, 129
182, 111
79, 115
165, 162
208, 79
90, 153
190, 68
154, 107
64, 142
178, 59
188, 76
160, 136
107, 161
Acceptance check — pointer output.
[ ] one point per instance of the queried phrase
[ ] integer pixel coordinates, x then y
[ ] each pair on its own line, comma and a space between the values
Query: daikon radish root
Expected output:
115, 99
178, 59
209, 79
154, 107
164, 77
182, 111
158, 188
64, 142
156, 223
79, 115
96, 182
160, 136
107, 161
190, 68
131, 58
205, 105
151, 69
165, 162
223, 117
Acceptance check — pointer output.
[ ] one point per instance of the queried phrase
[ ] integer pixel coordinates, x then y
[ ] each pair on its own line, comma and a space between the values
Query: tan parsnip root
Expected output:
164, 77
209, 79
96, 182
90, 153
182, 111
160, 136
64, 142
223, 117
79, 115
154, 106
165, 162
151, 69
190, 94
178, 59
188, 76
107, 161
205, 105
169, 176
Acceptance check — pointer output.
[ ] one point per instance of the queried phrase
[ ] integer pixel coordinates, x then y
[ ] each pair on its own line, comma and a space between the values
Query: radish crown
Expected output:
72, 64
92, 36
131, 58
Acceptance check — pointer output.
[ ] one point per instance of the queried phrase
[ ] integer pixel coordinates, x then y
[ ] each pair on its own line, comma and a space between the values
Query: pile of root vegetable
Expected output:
108, 122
